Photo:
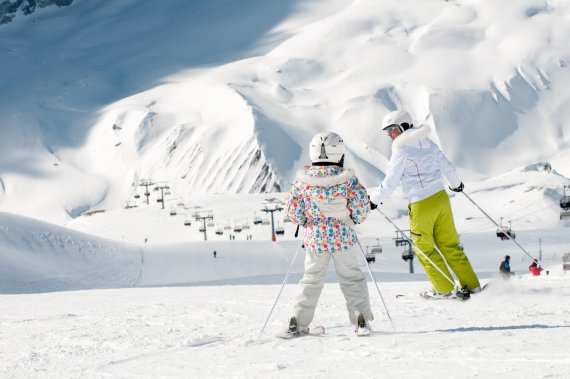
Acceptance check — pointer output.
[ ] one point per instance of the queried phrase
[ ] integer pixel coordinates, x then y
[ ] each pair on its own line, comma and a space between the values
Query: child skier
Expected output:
327, 201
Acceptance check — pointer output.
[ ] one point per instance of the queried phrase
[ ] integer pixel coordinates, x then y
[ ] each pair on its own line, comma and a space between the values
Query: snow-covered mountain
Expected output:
223, 97
10, 8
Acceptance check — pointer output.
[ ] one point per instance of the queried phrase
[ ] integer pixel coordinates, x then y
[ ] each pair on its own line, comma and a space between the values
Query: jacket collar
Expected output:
411, 136
324, 176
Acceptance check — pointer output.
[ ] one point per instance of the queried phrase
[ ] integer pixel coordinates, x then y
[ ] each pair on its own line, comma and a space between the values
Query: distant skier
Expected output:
535, 268
418, 164
328, 200
215, 253
505, 268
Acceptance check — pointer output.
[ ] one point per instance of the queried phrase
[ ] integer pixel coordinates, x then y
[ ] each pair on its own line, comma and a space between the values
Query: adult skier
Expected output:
505, 268
327, 200
418, 164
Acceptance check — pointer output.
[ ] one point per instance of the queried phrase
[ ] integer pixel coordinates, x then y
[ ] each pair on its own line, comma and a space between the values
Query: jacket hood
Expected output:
324, 176
411, 136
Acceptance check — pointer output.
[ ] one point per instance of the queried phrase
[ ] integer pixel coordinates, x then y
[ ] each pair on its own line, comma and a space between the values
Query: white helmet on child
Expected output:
398, 118
326, 147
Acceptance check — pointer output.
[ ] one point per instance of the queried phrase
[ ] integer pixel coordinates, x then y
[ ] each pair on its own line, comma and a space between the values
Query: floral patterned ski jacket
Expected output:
327, 201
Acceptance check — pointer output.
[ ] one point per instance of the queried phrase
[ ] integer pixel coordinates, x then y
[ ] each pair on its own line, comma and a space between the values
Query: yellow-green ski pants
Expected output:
431, 224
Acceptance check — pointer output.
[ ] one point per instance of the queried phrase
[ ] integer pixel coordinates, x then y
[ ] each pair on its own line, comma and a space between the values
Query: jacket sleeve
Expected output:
392, 179
448, 170
296, 205
358, 203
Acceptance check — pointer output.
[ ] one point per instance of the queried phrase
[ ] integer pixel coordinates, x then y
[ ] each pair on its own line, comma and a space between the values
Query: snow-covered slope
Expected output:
39, 257
216, 97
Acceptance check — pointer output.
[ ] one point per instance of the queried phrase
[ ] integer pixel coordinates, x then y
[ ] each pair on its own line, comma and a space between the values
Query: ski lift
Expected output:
227, 227
211, 224
187, 222
159, 200
237, 228
257, 220
376, 250
130, 205
172, 212
147, 194
505, 233
370, 257
166, 193
407, 255
202, 229
286, 219
246, 226
137, 196
180, 204
280, 230
265, 222
219, 231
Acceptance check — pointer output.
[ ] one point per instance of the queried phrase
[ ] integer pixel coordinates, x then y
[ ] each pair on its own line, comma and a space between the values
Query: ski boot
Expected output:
362, 328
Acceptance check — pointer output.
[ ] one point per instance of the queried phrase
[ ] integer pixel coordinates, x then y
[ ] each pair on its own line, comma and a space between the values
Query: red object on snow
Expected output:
535, 270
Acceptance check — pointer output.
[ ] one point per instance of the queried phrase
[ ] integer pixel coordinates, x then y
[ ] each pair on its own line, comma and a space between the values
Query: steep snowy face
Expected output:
202, 139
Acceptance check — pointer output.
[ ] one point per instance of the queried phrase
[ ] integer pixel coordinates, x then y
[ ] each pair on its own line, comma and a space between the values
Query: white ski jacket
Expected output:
417, 164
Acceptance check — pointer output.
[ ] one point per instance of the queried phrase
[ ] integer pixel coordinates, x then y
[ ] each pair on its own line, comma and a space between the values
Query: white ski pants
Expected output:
351, 279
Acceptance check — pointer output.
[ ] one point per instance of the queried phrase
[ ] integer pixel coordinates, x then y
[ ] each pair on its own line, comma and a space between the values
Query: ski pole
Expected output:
494, 222
376, 284
418, 249
281, 289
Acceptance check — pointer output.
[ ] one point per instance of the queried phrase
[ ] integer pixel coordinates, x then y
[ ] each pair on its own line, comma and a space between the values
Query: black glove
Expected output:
372, 205
458, 189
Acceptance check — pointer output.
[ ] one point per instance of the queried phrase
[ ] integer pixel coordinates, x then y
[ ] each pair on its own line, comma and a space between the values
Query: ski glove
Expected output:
458, 189
372, 205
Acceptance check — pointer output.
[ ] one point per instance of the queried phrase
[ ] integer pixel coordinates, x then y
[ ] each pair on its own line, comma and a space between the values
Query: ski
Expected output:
316, 331
363, 331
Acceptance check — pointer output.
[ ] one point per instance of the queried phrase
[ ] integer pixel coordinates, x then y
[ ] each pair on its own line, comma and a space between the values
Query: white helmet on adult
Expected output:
326, 147
400, 118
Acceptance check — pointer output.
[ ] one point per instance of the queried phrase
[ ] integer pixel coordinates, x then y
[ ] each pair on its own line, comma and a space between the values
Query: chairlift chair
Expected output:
137, 196
370, 257
286, 219
564, 214
565, 203
407, 255
257, 220
279, 230
219, 231
187, 222
202, 229
237, 228
265, 222
173, 212
211, 224
376, 250
227, 227
246, 226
